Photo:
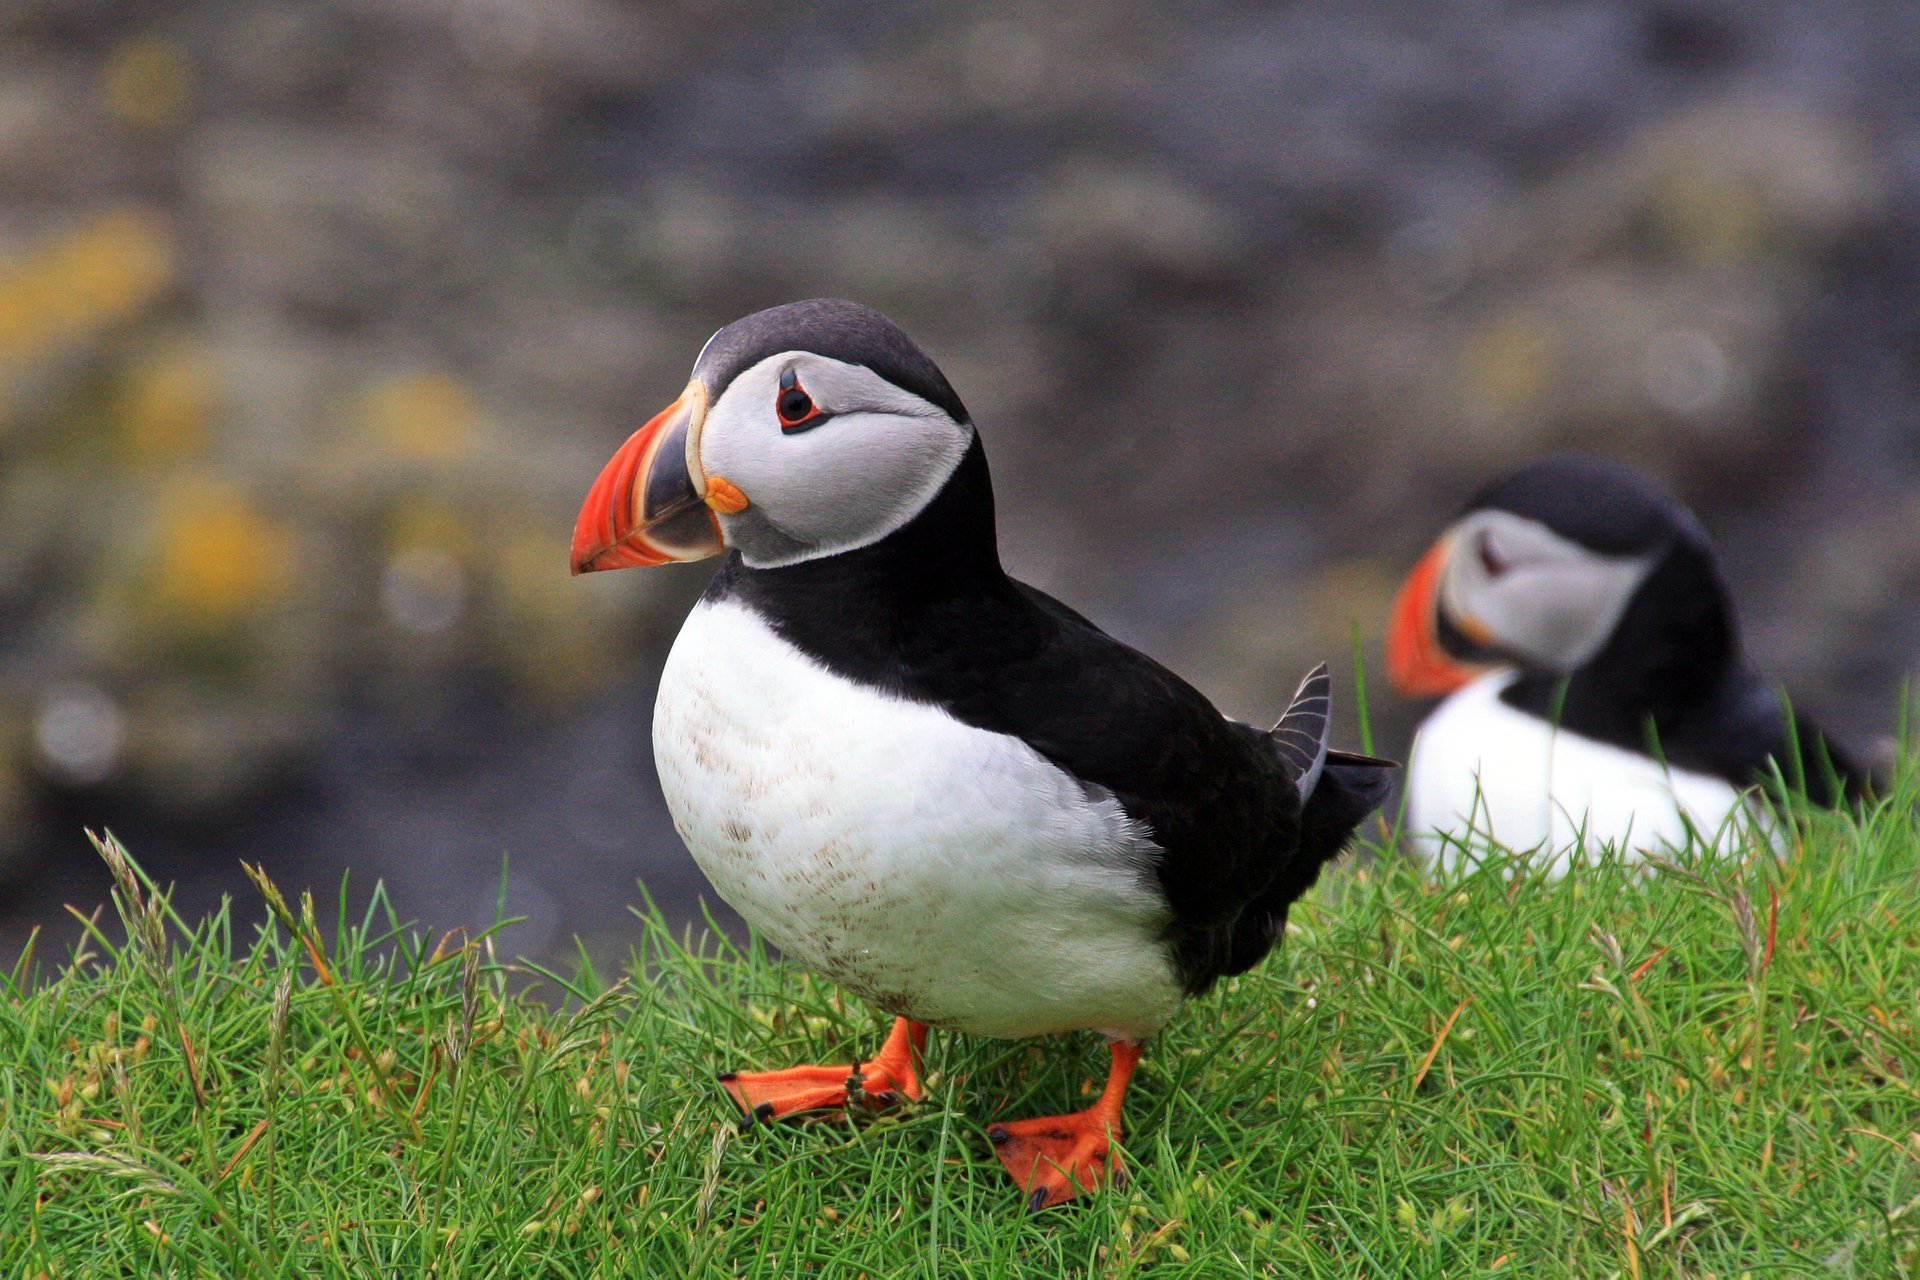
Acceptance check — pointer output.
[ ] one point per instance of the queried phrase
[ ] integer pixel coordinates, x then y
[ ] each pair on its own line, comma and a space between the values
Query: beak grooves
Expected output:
644, 508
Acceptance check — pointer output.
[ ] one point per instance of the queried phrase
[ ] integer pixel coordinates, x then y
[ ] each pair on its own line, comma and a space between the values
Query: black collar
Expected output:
929, 615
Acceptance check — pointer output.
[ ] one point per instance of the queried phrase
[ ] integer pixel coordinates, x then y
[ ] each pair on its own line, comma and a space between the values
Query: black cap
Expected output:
1600, 504
831, 327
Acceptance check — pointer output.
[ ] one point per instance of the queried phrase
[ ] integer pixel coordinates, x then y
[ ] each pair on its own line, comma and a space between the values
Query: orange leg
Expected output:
889, 1077
1055, 1158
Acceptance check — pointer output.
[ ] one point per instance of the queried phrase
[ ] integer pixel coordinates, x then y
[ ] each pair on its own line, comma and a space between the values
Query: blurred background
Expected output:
317, 317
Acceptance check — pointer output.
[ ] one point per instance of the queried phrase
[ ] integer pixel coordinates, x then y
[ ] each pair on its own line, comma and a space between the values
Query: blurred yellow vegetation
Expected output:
146, 81
167, 405
1508, 365
427, 523
105, 272
422, 417
551, 642
1709, 217
216, 555
1349, 593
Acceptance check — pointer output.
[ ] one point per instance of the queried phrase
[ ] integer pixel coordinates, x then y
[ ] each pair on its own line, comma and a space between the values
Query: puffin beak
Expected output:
1417, 663
650, 505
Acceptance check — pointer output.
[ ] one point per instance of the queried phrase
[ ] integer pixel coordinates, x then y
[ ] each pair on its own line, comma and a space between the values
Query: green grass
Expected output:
1693, 1070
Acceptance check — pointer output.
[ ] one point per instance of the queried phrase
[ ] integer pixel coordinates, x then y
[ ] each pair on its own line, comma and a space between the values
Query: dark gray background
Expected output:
1245, 299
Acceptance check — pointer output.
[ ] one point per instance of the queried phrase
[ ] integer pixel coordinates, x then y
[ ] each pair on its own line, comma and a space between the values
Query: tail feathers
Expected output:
1299, 738
1352, 787
1337, 788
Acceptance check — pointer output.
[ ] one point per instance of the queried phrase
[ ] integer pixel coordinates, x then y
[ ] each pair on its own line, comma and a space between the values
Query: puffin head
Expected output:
807, 430
1539, 571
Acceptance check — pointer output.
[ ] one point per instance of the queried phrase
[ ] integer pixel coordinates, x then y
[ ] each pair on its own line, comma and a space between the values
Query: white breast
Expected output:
939, 871
1485, 772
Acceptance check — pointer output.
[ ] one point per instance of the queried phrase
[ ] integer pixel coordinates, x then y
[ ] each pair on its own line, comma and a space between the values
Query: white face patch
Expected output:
875, 461
1533, 593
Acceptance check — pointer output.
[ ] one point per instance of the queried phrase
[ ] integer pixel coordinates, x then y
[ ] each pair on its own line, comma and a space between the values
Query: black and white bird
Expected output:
932, 784
1576, 618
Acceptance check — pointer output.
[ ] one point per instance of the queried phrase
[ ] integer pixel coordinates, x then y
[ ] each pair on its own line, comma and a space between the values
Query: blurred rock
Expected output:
317, 316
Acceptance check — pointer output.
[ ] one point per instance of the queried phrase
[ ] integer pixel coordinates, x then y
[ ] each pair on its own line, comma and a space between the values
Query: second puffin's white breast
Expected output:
1485, 772
940, 871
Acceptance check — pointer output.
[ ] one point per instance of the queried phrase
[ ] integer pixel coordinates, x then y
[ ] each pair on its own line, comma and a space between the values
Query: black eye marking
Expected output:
1492, 561
794, 407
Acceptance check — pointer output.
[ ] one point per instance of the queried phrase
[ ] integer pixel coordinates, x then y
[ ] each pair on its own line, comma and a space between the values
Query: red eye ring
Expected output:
795, 407
792, 405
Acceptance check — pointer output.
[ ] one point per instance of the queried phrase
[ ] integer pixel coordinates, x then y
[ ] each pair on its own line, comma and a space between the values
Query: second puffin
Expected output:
930, 783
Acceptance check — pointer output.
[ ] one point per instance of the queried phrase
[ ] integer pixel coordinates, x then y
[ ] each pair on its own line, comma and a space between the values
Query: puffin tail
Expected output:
1337, 791
1337, 788
1299, 738
1351, 787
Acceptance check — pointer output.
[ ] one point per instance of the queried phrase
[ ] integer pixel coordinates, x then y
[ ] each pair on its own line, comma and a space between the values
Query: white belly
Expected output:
939, 871
1484, 773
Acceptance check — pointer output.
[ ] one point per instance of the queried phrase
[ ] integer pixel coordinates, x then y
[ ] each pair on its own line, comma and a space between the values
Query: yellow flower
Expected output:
426, 522
145, 83
105, 272
422, 416
216, 556
117, 264
167, 406
1508, 365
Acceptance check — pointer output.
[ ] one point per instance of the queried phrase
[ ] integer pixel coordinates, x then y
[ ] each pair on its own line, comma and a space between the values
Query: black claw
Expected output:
1037, 1201
762, 1112
998, 1136
886, 1097
727, 1077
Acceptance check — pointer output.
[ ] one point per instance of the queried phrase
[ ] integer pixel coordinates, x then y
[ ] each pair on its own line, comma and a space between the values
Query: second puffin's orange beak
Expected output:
651, 504
1417, 663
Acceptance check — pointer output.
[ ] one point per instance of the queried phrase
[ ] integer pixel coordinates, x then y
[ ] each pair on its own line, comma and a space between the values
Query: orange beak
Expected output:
648, 506
1416, 662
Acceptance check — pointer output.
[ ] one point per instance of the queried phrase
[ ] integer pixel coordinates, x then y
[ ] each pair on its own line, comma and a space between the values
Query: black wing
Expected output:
1754, 729
1005, 657
1218, 802
1737, 728
927, 613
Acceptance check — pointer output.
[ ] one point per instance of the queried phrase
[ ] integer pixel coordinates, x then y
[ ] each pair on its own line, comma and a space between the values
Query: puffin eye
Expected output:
1492, 561
794, 407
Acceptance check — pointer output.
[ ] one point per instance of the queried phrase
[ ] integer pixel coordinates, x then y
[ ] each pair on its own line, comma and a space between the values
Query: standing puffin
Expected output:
1576, 617
936, 786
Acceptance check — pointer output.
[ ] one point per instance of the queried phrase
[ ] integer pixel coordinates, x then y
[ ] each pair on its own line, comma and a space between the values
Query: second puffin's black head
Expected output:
807, 430
1542, 567
1596, 503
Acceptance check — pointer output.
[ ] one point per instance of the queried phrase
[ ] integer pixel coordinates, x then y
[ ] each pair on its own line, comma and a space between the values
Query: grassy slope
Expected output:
1612, 1075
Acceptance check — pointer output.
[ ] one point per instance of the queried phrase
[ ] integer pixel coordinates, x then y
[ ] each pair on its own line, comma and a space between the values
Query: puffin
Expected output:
1576, 621
934, 785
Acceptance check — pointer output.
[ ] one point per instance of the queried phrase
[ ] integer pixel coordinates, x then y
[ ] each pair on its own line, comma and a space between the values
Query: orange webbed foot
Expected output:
774, 1095
1055, 1158
883, 1082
